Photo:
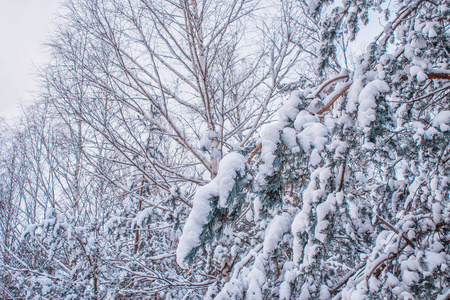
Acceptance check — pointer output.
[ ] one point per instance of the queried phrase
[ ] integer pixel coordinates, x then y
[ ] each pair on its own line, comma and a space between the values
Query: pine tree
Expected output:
353, 188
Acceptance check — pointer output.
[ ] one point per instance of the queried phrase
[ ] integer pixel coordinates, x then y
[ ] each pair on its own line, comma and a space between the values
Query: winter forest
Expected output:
237, 149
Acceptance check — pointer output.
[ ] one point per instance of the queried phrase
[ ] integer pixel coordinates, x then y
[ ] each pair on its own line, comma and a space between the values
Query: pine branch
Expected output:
347, 277
324, 85
254, 153
439, 74
408, 241
334, 96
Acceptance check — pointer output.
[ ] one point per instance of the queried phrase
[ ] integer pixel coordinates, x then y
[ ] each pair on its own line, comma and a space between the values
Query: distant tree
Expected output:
143, 99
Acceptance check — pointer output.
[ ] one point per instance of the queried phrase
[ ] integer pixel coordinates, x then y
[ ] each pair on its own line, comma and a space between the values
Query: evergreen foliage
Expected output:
167, 161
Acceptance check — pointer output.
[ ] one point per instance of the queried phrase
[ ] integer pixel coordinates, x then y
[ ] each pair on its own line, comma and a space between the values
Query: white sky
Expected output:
24, 27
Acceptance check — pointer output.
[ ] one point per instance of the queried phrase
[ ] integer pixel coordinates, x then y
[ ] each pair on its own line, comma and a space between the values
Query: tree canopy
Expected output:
233, 149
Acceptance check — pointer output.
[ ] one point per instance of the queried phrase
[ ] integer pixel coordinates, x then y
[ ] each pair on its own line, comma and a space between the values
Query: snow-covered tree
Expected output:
349, 197
234, 150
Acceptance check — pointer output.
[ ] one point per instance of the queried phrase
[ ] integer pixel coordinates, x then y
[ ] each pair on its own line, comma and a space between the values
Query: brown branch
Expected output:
408, 241
344, 89
136, 241
350, 274
347, 277
382, 261
254, 153
330, 103
325, 84
438, 75
341, 183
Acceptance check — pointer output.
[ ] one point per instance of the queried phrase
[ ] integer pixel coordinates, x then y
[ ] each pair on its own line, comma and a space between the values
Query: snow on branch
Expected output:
217, 190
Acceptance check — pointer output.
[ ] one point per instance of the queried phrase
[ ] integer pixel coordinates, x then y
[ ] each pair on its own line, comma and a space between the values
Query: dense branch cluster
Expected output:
233, 150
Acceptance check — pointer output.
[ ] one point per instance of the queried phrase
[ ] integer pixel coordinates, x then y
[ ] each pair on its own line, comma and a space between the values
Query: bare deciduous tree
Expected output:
143, 99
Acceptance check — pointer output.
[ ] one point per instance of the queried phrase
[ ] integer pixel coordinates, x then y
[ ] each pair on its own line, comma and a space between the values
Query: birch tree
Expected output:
147, 97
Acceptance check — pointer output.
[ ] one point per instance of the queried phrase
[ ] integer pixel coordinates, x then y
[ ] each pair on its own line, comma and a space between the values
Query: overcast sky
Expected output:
24, 27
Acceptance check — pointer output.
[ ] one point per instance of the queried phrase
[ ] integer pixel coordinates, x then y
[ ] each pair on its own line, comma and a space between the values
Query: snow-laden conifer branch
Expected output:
211, 205
408, 241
